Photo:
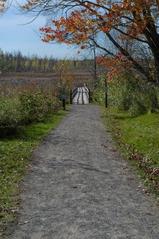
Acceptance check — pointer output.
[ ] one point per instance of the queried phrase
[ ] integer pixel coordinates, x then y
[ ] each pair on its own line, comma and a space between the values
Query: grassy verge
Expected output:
14, 159
138, 138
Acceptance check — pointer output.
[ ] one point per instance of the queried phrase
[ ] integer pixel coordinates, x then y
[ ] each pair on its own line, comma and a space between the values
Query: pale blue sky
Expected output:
16, 35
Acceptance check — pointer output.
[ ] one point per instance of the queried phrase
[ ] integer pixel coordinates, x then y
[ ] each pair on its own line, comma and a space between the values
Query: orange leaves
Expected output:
115, 65
48, 38
106, 28
128, 19
100, 15
46, 29
72, 30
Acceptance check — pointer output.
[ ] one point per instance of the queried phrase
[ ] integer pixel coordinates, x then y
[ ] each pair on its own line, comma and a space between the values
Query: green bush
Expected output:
34, 107
24, 109
138, 97
10, 115
129, 94
53, 104
99, 92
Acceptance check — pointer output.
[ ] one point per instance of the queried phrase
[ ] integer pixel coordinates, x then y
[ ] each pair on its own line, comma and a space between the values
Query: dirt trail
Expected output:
79, 188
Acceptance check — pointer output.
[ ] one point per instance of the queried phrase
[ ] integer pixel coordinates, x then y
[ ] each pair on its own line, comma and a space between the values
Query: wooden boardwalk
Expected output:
81, 96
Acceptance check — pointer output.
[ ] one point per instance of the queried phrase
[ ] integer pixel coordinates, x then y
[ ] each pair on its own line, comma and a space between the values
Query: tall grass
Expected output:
129, 94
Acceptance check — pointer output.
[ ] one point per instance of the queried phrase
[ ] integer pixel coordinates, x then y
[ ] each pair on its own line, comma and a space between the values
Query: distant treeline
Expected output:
16, 62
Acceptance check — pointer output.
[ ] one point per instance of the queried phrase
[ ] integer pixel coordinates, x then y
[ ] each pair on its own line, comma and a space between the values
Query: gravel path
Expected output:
78, 187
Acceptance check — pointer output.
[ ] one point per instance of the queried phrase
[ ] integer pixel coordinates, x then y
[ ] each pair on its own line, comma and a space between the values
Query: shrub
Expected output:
34, 107
99, 92
10, 115
54, 104
138, 97
129, 94
26, 108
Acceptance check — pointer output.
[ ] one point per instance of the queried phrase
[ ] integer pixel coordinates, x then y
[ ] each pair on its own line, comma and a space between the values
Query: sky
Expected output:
16, 34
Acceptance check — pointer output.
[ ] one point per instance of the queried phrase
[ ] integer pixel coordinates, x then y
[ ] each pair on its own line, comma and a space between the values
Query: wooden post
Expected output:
71, 97
95, 66
64, 104
89, 96
106, 93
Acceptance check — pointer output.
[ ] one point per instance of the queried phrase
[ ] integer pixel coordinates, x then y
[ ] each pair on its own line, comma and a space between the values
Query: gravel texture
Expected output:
78, 187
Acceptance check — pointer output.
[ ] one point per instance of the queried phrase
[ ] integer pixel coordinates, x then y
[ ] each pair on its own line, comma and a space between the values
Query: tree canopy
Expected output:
126, 24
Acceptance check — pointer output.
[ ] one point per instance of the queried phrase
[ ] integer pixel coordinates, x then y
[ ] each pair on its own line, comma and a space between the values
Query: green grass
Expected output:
138, 138
15, 152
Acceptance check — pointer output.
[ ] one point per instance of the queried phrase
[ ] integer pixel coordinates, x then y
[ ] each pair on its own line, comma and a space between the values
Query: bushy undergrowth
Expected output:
99, 92
10, 115
34, 107
26, 108
129, 94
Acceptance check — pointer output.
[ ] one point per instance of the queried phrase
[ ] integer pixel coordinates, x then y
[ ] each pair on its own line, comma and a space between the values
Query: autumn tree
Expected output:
65, 80
129, 20
65, 76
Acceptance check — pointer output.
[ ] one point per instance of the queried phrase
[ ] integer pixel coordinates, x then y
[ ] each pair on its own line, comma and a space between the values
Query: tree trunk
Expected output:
106, 93
156, 76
